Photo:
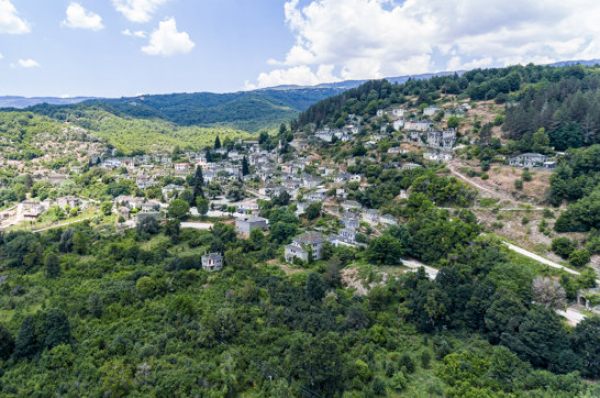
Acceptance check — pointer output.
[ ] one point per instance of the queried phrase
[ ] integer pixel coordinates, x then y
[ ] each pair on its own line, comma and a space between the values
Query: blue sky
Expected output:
126, 47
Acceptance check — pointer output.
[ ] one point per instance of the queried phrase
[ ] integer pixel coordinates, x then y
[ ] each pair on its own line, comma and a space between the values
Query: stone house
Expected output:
244, 226
212, 262
307, 246
528, 160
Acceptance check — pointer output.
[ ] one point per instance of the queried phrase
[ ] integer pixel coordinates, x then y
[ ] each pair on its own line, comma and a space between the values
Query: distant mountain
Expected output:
250, 111
24, 102
590, 62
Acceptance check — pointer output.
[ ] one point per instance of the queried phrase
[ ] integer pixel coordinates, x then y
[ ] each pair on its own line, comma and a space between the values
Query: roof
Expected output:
252, 219
214, 256
310, 238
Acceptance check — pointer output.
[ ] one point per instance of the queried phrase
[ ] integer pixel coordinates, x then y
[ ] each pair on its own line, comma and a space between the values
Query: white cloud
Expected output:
1, 56
366, 39
138, 10
166, 40
10, 22
300, 75
137, 33
80, 18
25, 63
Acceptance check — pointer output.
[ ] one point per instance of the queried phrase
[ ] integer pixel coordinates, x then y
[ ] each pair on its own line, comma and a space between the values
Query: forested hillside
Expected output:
248, 111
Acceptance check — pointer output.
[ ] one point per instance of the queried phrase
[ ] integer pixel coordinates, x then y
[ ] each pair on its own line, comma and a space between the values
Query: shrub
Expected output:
519, 184
579, 258
563, 246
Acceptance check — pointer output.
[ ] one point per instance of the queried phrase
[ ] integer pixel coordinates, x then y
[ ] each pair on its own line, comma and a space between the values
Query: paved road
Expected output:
415, 265
35, 231
201, 226
258, 195
573, 316
540, 259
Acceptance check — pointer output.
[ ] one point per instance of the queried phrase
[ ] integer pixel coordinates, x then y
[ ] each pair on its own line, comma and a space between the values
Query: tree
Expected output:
52, 265
214, 189
148, 225
385, 250
65, 245
57, 329
357, 318
106, 208
146, 286
313, 210
198, 183
540, 141
563, 246
202, 206
586, 342
27, 344
315, 288
172, 229
579, 258
542, 340
453, 122
95, 305
217, 142
245, 166
504, 315
7, 343
282, 129
549, 293
235, 192
80, 243
187, 196
178, 209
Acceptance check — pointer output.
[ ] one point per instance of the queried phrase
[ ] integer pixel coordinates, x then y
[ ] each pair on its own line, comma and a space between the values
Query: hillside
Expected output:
547, 110
248, 111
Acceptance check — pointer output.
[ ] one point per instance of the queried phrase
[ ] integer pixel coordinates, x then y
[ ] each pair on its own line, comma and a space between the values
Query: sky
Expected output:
114, 48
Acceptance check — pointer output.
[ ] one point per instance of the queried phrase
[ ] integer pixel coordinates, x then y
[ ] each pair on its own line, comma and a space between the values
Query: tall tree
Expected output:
7, 343
57, 329
245, 166
51, 263
217, 142
198, 183
27, 344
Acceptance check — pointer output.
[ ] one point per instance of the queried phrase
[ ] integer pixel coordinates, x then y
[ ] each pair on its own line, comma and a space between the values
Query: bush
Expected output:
563, 246
519, 184
407, 362
425, 359
579, 258
485, 176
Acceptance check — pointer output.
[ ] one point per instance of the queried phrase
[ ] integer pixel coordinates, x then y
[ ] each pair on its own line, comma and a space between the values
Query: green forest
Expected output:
250, 111
87, 311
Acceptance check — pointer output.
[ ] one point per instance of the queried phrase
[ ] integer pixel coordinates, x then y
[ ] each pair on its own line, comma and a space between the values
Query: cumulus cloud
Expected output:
80, 18
138, 10
10, 22
167, 41
25, 63
137, 33
377, 38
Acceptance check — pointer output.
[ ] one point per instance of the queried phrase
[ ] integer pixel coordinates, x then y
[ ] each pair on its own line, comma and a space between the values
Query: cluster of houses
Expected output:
31, 210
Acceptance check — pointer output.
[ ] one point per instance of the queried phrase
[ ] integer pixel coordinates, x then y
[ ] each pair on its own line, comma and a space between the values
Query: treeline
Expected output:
577, 180
248, 111
566, 104
562, 100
